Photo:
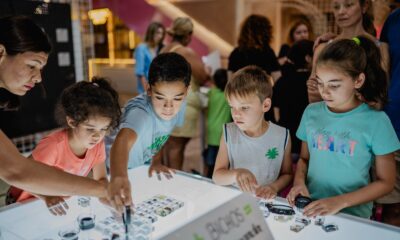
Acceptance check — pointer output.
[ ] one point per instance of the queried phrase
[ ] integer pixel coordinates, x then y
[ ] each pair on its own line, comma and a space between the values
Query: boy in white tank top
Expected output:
254, 154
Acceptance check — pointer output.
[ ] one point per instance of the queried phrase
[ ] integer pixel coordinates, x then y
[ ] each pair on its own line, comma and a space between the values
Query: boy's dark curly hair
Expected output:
85, 99
169, 67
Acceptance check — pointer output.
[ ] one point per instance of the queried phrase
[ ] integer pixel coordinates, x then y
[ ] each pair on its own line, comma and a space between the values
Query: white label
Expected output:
239, 219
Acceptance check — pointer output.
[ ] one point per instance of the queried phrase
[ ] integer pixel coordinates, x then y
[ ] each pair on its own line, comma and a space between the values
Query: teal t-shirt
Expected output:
152, 131
342, 149
219, 113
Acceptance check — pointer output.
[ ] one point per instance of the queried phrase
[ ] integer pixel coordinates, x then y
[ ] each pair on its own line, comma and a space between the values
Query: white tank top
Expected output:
261, 155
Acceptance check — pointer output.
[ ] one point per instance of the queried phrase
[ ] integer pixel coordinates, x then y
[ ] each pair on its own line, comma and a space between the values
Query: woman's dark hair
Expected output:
220, 78
256, 32
85, 99
298, 52
151, 31
354, 57
19, 34
169, 67
295, 26
368, 17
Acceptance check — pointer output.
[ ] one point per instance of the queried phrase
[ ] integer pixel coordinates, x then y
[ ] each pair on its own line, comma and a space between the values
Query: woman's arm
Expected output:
384, 49
198, 68
39, 178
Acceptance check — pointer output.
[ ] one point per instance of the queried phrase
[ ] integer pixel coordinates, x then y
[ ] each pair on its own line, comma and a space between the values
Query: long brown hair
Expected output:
295, 26
256, 32
353, 57
368, 17
151, 31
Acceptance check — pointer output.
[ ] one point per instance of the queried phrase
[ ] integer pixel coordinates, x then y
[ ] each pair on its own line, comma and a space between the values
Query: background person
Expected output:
146, 51
181, 33
24, 49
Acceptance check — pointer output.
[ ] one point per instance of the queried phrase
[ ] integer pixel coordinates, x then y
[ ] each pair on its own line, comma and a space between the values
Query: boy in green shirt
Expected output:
218, 114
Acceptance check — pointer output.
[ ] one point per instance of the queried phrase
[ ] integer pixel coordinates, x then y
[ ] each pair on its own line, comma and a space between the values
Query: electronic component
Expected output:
301, 202
280, 209
319, 221
330, 227
297, 227
303, 220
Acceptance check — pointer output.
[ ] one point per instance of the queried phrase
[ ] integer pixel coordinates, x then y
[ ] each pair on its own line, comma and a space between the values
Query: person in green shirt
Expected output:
218, 113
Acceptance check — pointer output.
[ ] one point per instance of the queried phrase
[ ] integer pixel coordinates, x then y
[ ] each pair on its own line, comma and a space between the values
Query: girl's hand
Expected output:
246, 180
323, 207
266, 192
312, 84
56, 205
159, 168
298, 189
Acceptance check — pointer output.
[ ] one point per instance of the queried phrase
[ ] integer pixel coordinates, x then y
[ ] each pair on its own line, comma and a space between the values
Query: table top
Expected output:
32, 220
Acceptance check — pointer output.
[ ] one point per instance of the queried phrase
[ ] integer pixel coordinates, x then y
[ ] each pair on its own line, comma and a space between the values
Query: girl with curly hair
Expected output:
88, 111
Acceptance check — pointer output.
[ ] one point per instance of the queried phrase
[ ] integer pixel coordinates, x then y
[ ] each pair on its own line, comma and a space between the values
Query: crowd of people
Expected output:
320, 120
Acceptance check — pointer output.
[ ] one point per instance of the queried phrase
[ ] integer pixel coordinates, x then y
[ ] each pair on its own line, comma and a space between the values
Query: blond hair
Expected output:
248, 81
182, 26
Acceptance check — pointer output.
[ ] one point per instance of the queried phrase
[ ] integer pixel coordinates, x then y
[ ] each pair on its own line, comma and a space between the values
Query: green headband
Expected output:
356, 40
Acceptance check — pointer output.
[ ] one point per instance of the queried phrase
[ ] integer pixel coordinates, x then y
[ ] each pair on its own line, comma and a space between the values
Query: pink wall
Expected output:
137, 14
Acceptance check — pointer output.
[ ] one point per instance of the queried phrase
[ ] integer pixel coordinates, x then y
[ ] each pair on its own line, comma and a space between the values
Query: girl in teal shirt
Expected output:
346, 133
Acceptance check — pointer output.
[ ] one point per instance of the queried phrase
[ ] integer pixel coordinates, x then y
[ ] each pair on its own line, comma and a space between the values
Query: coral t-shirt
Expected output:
54, 150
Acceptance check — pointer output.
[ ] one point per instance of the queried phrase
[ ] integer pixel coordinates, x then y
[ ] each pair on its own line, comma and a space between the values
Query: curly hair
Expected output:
256, 32
86, 99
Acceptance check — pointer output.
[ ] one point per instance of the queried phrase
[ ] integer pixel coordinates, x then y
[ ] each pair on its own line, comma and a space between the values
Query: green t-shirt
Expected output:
342, 149
219, 113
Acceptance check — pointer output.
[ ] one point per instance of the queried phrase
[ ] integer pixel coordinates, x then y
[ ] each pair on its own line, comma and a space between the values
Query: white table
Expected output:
32, 220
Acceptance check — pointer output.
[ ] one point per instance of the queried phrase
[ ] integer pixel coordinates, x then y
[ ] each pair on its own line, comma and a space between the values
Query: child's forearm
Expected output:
119, 155
157, 159
301, 172
224, 176
282, 182
366, 194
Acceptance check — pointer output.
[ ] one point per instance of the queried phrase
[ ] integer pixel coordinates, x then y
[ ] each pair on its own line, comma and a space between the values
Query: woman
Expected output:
253, 47
354, 17
24, 50
300, 30
145, 52
181, 33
